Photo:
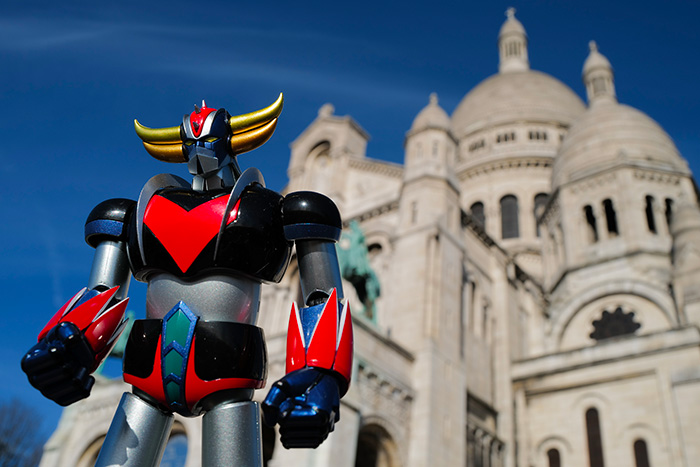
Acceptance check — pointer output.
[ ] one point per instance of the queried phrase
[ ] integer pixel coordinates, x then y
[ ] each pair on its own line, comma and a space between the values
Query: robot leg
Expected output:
137, 436
231, 435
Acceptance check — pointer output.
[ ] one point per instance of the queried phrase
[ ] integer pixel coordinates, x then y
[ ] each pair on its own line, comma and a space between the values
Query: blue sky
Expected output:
75, 75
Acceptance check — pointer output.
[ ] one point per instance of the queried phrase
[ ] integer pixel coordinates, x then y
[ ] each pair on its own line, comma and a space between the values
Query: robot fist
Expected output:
59, 365
73, 344
305, 403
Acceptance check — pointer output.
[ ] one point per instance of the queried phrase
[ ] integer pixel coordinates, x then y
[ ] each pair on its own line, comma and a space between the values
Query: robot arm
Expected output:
80, 335
305, 402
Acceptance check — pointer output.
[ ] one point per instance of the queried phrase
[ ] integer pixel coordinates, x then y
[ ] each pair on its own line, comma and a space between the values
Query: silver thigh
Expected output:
231, 435
137, 436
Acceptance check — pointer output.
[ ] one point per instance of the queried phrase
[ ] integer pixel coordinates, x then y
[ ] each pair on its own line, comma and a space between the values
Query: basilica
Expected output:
534, 267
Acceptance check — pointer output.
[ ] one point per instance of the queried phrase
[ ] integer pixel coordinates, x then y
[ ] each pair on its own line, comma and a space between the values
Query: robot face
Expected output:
206, 144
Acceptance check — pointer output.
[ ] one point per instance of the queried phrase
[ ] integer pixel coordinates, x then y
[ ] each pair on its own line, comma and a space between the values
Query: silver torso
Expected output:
215, 297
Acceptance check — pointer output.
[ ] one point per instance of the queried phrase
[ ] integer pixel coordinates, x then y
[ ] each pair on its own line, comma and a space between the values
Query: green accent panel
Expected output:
177, 328
172, 391
173, 363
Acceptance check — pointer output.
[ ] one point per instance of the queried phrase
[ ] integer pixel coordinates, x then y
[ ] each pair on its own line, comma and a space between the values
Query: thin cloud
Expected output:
23, 35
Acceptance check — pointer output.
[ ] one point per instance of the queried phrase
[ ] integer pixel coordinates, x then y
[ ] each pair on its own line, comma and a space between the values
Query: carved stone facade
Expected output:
509, 232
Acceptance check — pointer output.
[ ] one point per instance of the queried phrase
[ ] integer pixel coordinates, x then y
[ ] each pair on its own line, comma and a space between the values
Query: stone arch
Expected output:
559, 443
597, 295
650, 435
591, 399
319, 167
376, 447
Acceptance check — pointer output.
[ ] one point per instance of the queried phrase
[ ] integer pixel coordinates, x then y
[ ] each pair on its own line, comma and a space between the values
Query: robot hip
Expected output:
180, 360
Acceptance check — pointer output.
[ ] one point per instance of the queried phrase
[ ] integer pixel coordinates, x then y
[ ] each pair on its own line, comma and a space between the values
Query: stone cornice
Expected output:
631, 347
390, 169
376, 211
511, 162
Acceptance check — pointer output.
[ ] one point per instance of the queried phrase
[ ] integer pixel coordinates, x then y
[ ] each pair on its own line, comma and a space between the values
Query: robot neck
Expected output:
225, 177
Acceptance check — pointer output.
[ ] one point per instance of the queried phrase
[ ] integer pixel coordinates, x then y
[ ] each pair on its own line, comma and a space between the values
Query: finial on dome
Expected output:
433, 98
598, 76
512, 45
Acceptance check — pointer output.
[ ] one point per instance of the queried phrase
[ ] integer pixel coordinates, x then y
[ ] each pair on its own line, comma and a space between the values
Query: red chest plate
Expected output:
183, 233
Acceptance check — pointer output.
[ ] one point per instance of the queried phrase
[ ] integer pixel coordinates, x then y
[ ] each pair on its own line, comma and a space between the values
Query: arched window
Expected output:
477, 212
554, 458
375, 448
540, 203
641, 456
591, 223
595, 442
610, 217
509, 217
651, 222
669, 211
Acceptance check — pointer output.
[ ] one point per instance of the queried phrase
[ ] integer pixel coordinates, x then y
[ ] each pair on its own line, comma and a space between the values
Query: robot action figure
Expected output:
204, 249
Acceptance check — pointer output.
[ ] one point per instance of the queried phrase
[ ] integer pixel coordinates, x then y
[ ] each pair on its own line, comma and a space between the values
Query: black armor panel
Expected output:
310, 215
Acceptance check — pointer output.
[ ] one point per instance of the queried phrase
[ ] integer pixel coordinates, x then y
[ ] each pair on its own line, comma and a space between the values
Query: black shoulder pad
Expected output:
310, 215
107, 220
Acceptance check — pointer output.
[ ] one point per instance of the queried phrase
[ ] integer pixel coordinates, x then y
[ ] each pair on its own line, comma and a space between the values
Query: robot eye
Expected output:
189, 142
211, 139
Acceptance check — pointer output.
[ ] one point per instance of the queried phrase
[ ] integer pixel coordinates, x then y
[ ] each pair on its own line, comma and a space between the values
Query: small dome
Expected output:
511, 25
507, 97
595, 60
432, 116
609, 134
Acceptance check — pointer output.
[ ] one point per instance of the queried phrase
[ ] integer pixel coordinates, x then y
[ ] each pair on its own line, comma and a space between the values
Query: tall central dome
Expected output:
510, 128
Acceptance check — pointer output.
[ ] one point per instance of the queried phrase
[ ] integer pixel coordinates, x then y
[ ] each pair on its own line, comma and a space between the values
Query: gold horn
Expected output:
244, 142
242, 123
158, 135
166, 152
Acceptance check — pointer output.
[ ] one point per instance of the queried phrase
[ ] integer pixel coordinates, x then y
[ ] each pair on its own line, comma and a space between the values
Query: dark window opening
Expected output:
651, 222
641, 456
505, 137
509, 217
617, 323
540, 203
610, 217
595, 442
591, 222
375, 448
477, 212
554, 458
669, 211
477, 145
537, 135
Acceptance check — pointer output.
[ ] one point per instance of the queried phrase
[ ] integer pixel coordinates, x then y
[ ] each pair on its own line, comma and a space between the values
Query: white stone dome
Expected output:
432, 116
516, 96
609, 134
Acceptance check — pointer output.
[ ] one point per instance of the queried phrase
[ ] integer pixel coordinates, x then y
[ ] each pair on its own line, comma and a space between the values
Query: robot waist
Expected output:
180, 360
